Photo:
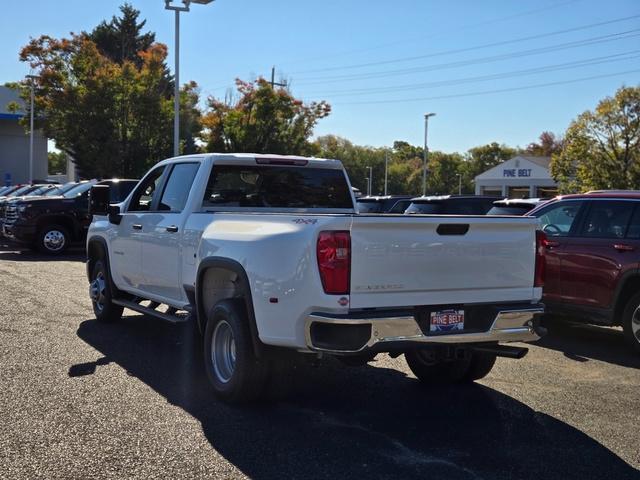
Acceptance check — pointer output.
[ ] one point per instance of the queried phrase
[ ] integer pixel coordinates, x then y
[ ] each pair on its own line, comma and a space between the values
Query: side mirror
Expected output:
114, 214
99, 200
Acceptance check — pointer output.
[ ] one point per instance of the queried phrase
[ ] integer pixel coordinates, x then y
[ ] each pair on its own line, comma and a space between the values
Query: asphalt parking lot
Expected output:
83, 400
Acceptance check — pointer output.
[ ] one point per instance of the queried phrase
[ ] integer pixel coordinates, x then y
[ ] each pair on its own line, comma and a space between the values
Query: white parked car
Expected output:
266, 252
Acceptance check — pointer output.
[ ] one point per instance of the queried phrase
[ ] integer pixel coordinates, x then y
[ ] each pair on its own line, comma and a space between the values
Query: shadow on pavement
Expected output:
581, 342
19, 254
363, 422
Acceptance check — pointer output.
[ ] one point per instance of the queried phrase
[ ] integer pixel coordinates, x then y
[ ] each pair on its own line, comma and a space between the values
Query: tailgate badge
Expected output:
305, 221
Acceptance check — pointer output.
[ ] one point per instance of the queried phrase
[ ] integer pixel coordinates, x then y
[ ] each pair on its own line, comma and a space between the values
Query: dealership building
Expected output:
14, 143
522, 176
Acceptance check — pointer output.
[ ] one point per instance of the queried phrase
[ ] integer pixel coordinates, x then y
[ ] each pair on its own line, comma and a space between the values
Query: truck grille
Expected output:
10, 213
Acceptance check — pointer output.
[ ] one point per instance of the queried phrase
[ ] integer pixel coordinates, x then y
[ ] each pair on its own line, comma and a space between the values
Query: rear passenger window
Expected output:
178, 186
607, 219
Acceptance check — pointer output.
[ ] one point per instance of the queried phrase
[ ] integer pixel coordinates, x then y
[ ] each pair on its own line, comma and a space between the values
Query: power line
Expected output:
418, 37
463, 63
468, 49
497, 76
487, 92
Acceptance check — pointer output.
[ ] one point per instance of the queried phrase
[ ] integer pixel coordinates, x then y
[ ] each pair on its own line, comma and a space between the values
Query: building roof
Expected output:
541, 161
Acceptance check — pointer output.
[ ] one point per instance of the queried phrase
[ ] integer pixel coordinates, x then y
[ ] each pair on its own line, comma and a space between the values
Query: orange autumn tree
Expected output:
112, 115
262, 120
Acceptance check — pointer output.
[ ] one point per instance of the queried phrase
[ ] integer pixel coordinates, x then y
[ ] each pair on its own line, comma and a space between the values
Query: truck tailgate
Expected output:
441, 260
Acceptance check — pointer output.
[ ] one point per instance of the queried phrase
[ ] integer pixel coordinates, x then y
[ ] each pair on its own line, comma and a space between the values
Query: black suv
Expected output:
514, 206
383, 204
51, 224
452, 205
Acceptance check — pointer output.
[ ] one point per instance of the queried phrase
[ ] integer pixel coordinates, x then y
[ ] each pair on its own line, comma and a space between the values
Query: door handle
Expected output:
551, 244
172, 229
621, 247
137, 226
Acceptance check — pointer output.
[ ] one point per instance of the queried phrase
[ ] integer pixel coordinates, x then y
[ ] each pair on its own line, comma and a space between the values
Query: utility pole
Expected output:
168, 5
273, 79
31, 122
426, 153
386, 169
459, 183
370, 186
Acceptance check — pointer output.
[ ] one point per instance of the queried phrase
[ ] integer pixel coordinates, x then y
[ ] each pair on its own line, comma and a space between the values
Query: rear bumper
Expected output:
355, 333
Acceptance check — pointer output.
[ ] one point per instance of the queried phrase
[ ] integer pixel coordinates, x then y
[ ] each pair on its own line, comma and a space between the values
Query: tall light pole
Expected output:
31, 122
370, 185
426, 153
386, 169
459, 183
168, 5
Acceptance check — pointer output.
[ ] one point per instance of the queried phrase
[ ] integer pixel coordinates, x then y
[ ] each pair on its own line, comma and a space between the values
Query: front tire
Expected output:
236, 374
101, 296
631, 322
53, 239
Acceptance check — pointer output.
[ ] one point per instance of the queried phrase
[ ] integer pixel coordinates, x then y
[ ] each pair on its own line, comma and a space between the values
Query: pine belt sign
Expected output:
516, 172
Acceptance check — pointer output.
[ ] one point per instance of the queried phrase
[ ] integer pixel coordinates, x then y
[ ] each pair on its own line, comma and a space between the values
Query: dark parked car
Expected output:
383, 204
7, 189
33, 192
20, 190
593, 259
452, 205
51, 224
514, 206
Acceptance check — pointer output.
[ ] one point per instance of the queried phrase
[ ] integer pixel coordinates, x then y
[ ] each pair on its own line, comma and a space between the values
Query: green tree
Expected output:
121, 39
442, 173
356, 160
190, 118
262, 120
602, 147
57, 163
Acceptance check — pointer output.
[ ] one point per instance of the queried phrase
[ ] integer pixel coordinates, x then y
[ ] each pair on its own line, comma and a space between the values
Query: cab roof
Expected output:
258, 158
624, 194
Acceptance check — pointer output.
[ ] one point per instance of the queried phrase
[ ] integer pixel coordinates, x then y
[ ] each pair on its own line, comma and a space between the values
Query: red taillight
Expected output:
541, 261
334, 261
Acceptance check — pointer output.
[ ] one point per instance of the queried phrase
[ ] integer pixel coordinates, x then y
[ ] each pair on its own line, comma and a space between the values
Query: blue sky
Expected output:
383, 64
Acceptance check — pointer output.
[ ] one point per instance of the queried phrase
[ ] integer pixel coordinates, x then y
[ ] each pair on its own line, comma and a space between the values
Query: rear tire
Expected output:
53, 239
236, 374
480, 366
101, 296
432, 371
631, 322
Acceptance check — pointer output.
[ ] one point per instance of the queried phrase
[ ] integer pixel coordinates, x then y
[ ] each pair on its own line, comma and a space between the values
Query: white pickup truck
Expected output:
267, 253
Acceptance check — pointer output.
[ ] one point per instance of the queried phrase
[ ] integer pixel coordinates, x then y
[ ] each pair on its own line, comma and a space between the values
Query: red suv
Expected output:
593, 259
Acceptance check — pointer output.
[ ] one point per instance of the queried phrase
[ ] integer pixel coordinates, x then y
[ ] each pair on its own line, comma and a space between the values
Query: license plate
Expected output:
446, 321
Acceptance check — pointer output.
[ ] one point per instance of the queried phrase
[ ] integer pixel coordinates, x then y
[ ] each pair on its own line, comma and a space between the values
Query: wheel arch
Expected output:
220, 278
63, 220
96, 248
629, 286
